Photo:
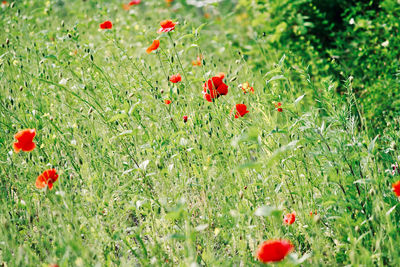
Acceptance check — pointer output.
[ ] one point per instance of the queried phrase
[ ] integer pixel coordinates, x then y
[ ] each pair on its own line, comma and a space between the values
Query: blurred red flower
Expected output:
215, 87
25, 140
241, 110
185, 118
166, 26
274, 250
278, 107
106, 25
396, 188
197, 62
154, 46
175, 78
47, 178
289, 218
167, 101
134, 2
311, 213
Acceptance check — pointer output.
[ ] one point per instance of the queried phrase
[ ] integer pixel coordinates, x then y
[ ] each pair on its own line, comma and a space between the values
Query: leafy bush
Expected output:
339, 39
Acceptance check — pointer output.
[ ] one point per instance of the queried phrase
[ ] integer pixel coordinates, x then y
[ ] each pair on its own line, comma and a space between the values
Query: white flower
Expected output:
385, 43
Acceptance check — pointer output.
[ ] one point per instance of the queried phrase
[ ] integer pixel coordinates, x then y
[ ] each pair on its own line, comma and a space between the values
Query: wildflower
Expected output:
396, 188
169, 1
126, 7
47, 178
25, 140
106, 25
166, 26
247, 88
185, 118
215, 87
274, 250
289, 218
175, 78
197, 62
4, 3
134, 2
154, 46
279, 107
167, 101
241, 110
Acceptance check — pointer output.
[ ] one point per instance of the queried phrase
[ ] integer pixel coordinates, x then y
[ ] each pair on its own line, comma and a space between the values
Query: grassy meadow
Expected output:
141, 185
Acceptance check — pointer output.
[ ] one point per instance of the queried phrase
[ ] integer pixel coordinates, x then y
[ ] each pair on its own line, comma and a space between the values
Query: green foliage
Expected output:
339, 39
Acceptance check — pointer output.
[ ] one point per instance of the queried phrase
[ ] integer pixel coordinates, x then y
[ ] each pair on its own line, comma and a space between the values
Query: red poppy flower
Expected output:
241, 110
274, 250
153, 46
134, 2
289, 218
106, 25
396, 188
279, 107
197, 62
185, 118
175, 78
126, 7
4, 3
247, 88
47, 178
166, 26
167, 101
25, 140
215, 87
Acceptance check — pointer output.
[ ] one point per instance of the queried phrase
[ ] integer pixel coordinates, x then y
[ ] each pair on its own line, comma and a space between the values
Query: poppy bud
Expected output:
185, 118
7, 41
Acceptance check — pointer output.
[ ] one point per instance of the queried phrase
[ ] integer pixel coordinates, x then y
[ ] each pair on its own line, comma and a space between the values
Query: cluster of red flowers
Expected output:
25, 143
215, 87
279, 107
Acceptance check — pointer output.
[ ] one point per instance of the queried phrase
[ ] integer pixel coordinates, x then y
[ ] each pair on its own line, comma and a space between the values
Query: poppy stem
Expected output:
179, 60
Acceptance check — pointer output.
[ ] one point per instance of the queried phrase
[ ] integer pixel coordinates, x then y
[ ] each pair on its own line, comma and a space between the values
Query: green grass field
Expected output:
139, 186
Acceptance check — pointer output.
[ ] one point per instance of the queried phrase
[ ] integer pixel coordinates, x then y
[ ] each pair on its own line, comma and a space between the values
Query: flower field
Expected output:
182, 133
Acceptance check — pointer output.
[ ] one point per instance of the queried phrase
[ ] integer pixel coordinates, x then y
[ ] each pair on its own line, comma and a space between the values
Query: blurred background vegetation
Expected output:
336, 39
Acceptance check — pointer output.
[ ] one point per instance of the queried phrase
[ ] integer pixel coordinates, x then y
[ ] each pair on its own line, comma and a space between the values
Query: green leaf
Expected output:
118, 117
266, 211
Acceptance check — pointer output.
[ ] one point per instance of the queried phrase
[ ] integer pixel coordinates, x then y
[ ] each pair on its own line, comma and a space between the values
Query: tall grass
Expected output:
139, 186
